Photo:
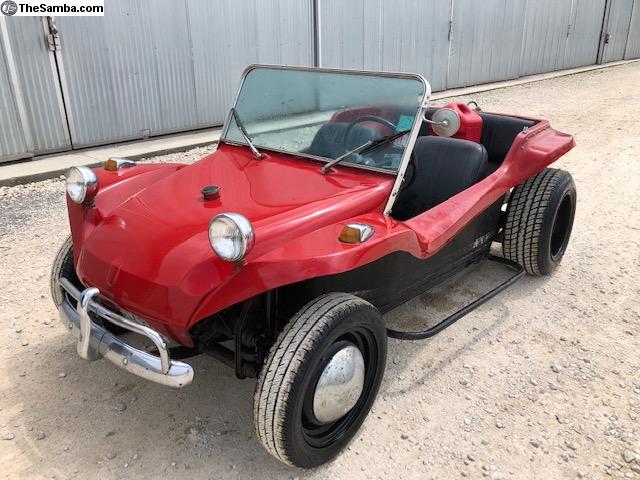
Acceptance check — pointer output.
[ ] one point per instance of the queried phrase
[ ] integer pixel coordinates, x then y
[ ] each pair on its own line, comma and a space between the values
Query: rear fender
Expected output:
531, 152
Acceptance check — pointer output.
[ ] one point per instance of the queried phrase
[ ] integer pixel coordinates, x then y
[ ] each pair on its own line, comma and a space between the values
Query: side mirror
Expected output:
445, 122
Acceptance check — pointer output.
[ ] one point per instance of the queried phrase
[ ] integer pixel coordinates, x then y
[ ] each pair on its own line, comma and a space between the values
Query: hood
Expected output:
151, 254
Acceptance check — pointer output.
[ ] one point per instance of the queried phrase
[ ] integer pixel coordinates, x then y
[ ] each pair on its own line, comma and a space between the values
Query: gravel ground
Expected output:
541, 382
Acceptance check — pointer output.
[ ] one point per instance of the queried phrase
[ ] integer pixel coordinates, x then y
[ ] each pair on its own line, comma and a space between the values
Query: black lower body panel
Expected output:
399, 276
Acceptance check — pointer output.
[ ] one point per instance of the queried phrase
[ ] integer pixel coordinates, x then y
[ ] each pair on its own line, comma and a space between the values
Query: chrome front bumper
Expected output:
96, 342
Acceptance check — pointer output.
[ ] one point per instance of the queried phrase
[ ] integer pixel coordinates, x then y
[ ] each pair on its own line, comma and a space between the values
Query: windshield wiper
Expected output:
365, 147
245, 135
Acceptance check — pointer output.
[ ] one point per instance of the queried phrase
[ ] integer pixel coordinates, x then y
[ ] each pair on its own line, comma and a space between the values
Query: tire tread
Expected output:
525, 217
295, 342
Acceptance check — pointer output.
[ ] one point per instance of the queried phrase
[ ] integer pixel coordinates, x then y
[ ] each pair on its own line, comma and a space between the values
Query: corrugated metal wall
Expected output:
583, 33
39, 110
13, 143
486, 41
381, 35
545, 33
228, 35
151, 67
149, 71
633, 42
617, 21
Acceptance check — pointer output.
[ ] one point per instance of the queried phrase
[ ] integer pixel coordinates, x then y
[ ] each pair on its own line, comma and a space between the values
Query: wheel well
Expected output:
241, 335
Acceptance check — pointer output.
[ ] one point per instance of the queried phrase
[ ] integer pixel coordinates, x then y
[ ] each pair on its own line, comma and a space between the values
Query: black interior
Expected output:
498, 134
442, 168
335, 138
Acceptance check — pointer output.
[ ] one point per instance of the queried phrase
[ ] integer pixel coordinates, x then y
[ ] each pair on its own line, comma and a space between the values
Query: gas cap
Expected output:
211, 192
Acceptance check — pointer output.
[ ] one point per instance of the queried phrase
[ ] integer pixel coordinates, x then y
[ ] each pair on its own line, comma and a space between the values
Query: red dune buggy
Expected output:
333, 197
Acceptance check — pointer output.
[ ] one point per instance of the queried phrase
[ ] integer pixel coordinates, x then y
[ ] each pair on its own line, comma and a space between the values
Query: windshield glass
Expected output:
325, 114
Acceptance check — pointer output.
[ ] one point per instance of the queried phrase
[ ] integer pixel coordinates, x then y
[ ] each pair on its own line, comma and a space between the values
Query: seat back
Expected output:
498, 134
442, 168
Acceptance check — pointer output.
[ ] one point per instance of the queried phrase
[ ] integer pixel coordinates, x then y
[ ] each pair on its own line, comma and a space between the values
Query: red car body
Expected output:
168, 273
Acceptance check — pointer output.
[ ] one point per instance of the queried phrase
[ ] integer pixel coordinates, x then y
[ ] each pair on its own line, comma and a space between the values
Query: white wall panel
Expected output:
399, 35
486, 42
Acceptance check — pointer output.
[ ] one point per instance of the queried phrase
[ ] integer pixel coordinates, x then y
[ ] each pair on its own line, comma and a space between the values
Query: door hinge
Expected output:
450, 34
569, 30
53, 39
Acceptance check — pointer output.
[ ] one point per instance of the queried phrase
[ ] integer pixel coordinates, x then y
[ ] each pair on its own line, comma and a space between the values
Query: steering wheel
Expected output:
365, 118
368, 118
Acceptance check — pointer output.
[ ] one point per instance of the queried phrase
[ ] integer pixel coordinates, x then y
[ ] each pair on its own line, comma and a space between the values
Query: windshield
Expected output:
326, 114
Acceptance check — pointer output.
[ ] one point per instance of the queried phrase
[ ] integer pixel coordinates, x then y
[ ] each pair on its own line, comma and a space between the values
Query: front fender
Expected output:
313, 255
114, 188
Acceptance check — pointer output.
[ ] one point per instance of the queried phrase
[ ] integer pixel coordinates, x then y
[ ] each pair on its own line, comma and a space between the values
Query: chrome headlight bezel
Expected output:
240, 235
81, 184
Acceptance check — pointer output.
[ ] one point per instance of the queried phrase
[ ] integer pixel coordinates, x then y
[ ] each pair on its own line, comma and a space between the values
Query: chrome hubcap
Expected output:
340, 385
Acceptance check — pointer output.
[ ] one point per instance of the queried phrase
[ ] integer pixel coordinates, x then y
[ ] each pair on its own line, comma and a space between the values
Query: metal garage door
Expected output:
616, 31
583, 34
633, 40
545, 35
155, 67
486, 41
32, 117
399, 35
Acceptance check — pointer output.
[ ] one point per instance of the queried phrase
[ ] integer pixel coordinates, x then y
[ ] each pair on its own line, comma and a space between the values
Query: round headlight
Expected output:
82, 184
231, 236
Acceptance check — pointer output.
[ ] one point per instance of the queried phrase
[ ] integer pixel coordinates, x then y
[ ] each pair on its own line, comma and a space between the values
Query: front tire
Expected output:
539, 221
62, 267
320, 380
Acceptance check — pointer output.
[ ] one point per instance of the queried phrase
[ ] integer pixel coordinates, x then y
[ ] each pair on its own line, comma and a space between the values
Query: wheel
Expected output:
62, 267
320, 379
540, 216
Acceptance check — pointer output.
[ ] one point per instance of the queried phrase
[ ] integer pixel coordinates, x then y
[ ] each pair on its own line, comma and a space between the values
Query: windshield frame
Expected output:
413, 135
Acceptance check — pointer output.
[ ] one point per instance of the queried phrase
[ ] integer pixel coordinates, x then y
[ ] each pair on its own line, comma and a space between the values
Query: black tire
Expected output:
540, 216
290, 373
62, 267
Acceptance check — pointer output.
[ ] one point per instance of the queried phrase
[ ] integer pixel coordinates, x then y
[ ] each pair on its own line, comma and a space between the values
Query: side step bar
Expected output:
453, 318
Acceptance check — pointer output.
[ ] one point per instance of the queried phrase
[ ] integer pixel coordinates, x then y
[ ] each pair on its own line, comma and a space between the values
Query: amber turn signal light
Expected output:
116, 163
355, 233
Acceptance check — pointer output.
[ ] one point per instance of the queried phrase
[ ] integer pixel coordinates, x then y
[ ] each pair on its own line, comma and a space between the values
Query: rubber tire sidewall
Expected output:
532, 209
566, 186
290, 444
62, 267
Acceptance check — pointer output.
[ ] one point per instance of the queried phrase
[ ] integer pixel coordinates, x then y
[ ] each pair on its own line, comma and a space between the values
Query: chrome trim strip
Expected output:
365, 230
123, 162
417, 123
95, 342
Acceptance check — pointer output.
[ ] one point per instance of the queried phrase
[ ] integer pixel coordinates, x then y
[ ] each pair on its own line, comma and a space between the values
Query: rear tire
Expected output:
540, 217
291, 396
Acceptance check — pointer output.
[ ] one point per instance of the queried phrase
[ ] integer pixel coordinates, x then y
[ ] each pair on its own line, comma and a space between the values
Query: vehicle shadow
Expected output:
436, 353
101, 422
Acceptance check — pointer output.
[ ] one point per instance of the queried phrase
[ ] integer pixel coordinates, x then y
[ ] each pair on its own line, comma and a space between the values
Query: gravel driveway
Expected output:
541, 382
